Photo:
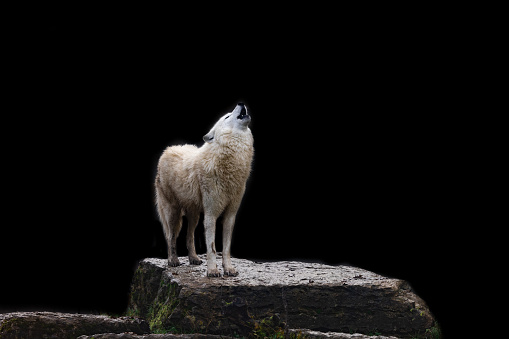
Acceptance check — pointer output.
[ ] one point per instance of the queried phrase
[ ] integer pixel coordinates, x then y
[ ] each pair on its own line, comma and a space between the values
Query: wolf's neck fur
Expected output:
231, 159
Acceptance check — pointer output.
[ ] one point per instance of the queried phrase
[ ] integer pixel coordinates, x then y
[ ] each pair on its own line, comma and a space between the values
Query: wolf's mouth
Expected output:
243, 113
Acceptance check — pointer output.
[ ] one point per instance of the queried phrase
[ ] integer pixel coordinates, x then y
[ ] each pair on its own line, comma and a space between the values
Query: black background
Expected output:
354, 140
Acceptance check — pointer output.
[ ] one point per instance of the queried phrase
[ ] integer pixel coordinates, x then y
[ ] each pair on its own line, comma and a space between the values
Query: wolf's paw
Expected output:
213, 273
173, 262
195, 261
231, 272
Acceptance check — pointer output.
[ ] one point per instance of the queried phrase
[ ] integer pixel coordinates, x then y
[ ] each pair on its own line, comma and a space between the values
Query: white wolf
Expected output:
210, 179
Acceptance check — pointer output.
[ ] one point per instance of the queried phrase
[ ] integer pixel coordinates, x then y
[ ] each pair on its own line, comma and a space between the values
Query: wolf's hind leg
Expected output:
174, 218
192, 222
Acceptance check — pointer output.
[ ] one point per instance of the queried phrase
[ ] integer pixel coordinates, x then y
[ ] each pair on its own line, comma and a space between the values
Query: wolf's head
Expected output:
234, 123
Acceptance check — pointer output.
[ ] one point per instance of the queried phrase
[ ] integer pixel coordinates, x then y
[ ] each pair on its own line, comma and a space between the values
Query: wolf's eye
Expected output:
226, 117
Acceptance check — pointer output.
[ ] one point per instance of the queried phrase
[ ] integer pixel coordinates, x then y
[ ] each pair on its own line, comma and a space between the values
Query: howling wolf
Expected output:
210, 179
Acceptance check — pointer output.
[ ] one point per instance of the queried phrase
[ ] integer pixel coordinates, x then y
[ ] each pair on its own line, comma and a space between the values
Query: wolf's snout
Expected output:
243, 111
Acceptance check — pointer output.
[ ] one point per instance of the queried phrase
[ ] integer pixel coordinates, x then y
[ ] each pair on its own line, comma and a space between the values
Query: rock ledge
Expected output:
287, 294
44, 325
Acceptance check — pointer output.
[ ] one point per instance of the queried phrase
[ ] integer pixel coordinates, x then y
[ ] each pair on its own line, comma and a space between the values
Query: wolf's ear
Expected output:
209, 137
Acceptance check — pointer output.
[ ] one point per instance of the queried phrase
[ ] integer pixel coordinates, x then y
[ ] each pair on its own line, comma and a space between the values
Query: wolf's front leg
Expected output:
228, 223
209, 222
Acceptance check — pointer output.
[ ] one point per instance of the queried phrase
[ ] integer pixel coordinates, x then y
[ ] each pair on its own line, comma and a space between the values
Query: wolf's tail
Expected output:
160, 201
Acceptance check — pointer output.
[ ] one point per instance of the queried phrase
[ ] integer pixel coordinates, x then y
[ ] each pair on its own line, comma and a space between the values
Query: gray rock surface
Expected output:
307, 333
151, 336
46, 325
284, 294
335, 335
